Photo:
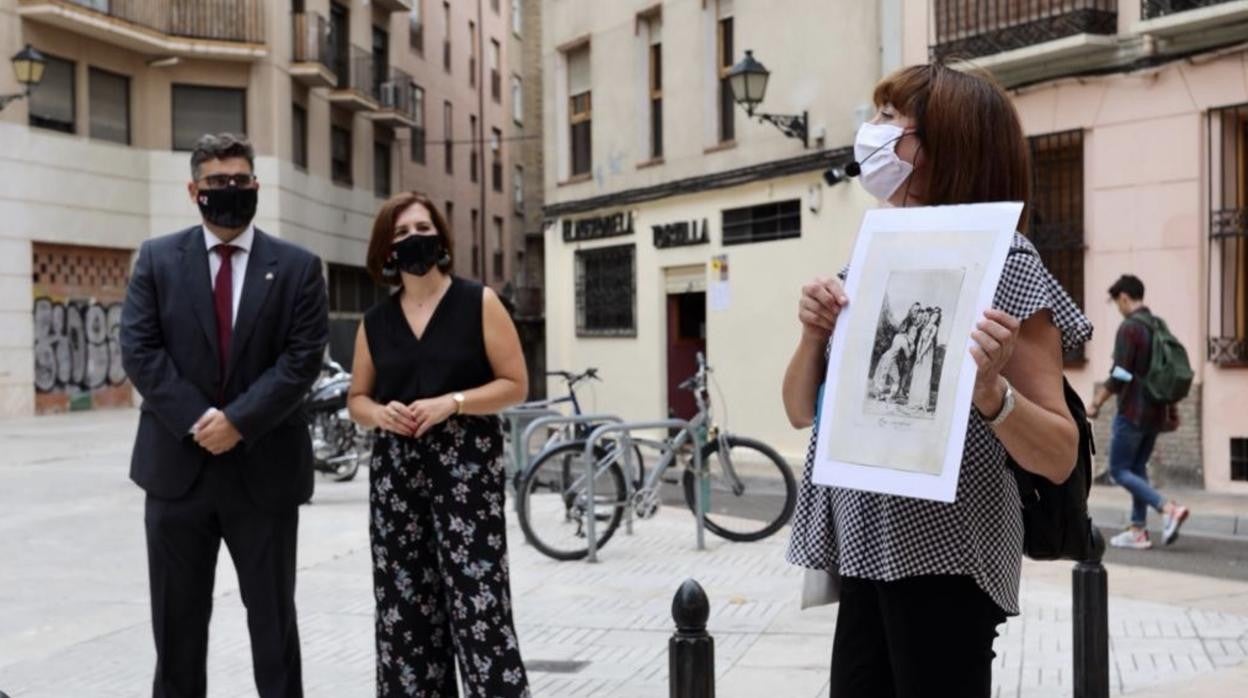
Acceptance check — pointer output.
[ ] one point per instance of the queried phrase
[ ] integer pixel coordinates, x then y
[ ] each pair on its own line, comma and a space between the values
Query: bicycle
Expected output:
567, 432
553, 505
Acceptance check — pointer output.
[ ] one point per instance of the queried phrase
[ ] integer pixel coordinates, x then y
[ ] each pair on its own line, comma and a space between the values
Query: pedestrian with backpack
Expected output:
1150, 374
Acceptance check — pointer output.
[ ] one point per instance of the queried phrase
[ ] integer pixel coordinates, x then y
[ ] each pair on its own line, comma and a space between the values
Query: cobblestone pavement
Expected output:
74, 615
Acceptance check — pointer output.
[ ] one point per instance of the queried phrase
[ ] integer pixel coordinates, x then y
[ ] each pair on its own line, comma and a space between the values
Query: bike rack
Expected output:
514, 415
556, 418
591, 533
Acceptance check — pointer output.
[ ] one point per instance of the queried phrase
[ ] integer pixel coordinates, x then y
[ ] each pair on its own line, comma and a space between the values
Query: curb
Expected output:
1200, 525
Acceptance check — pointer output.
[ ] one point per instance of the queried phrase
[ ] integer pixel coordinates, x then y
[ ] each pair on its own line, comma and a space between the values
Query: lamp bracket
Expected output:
791, 125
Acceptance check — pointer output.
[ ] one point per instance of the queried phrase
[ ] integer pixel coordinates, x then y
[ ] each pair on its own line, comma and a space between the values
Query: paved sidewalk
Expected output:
74, 617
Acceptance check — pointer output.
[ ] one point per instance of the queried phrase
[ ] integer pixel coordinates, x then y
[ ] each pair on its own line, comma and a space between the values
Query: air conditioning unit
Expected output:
389, 95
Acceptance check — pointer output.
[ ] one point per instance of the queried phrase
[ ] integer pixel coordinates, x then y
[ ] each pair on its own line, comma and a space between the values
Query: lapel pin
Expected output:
268, 277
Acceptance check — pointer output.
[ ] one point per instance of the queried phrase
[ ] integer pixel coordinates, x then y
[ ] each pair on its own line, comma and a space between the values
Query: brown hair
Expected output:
972, 144
383, 232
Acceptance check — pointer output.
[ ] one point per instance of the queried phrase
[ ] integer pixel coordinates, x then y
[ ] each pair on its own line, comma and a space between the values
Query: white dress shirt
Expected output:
238, 260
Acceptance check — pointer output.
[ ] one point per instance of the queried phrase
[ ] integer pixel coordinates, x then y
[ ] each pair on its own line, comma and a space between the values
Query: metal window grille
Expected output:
1228, 235
763, 222
727, 104
1239, 459
1151, 9
606, 292
974, 28
1056, 215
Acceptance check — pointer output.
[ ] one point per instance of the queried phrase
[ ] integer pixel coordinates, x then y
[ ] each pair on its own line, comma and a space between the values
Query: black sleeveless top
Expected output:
450, 357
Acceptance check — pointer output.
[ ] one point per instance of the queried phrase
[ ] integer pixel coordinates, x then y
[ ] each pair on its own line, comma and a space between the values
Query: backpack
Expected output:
1056, 525
1169, 377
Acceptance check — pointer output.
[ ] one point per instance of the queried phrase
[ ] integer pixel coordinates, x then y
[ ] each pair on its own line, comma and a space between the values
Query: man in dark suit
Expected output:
223, 331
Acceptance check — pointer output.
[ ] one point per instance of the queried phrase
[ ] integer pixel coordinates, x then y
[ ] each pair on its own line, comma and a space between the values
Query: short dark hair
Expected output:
221, 146
383, 232
1130, 285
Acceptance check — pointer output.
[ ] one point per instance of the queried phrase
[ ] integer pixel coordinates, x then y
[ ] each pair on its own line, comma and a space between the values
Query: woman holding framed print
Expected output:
924, 584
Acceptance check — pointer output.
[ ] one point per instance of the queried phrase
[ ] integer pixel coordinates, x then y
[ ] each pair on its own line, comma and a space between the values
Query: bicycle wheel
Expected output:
552, 502
763, 504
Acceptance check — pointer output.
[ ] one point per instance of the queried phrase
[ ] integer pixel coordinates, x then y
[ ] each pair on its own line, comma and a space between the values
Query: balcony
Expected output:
1187, 25
357, 87
396, 97
393, 5
312, 62
1025, 40
212, 29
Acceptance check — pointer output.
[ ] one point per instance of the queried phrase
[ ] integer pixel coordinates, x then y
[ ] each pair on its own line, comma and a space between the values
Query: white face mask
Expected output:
875, 150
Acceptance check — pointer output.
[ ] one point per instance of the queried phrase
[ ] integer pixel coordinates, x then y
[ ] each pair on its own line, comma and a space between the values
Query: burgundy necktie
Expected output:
223, 297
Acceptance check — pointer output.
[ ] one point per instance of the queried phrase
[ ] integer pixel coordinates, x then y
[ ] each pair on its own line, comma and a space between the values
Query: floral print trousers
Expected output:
440, 571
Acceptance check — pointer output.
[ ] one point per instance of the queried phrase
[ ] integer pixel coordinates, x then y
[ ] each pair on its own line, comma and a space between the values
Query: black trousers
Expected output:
183, 537
920, 637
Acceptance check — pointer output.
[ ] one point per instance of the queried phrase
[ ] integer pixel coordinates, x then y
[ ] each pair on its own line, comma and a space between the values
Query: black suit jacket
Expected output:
169, 350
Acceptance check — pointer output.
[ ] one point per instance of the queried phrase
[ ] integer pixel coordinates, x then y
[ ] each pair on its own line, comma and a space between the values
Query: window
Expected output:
517, 189
1239, 459
498, 249
450, 216
472, 148
494, 6
1228, 236
580, 112
199, 110
1056, 215
447, 129
472, 53
381, 60
446, 36
109, 101
606, 292
727, 105
517, 16
418, 131
476, 251
496, 147
351, 293
655, 96
763, 222
299, 136
340, 154
52, 101
340, 38
496, 77
517, 100
381, 169
416, 28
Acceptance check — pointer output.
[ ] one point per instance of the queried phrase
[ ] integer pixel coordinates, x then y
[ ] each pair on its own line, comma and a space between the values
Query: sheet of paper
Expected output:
720, 296
897, 396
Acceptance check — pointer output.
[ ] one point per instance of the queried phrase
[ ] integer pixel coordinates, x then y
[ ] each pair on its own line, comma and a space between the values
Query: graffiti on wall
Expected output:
78, 293
77, 346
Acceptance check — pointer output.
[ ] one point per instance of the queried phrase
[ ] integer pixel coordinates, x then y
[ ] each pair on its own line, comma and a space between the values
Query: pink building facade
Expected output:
1137, 113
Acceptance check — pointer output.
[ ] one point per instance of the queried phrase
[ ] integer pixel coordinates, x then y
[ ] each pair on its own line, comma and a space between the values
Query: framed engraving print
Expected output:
897, 396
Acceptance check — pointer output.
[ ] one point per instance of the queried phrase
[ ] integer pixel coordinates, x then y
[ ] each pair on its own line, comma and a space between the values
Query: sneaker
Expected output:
1173, 521
1132, 538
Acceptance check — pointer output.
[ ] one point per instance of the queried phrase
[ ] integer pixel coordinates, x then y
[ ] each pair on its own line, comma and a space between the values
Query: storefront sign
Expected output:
598, 227
681, 234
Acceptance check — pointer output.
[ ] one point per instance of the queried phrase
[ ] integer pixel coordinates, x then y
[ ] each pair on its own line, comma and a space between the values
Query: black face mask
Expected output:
231, 207
417, 254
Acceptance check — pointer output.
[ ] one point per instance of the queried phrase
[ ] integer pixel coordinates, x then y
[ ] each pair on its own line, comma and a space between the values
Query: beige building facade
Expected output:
676, 223
346, 101
1137, 115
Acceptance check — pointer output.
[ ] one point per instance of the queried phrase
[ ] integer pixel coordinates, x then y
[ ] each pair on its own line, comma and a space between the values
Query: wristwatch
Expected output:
459, 402
1007, 406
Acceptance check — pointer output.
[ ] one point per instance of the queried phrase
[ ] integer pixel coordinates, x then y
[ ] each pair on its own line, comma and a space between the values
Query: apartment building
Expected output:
678, 223
1137, 113
347, 102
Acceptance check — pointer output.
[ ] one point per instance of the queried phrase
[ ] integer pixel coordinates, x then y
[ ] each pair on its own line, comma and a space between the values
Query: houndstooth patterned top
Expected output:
980, 534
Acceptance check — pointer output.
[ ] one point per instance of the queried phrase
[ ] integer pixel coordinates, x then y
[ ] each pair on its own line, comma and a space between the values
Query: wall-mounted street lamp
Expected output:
749, 84
28, 65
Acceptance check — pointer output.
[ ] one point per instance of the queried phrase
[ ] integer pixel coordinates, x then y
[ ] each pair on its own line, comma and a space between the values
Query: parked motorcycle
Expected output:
339, 445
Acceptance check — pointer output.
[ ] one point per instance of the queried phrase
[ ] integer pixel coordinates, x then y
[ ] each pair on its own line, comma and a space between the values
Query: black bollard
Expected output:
1090, 621
691, 651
